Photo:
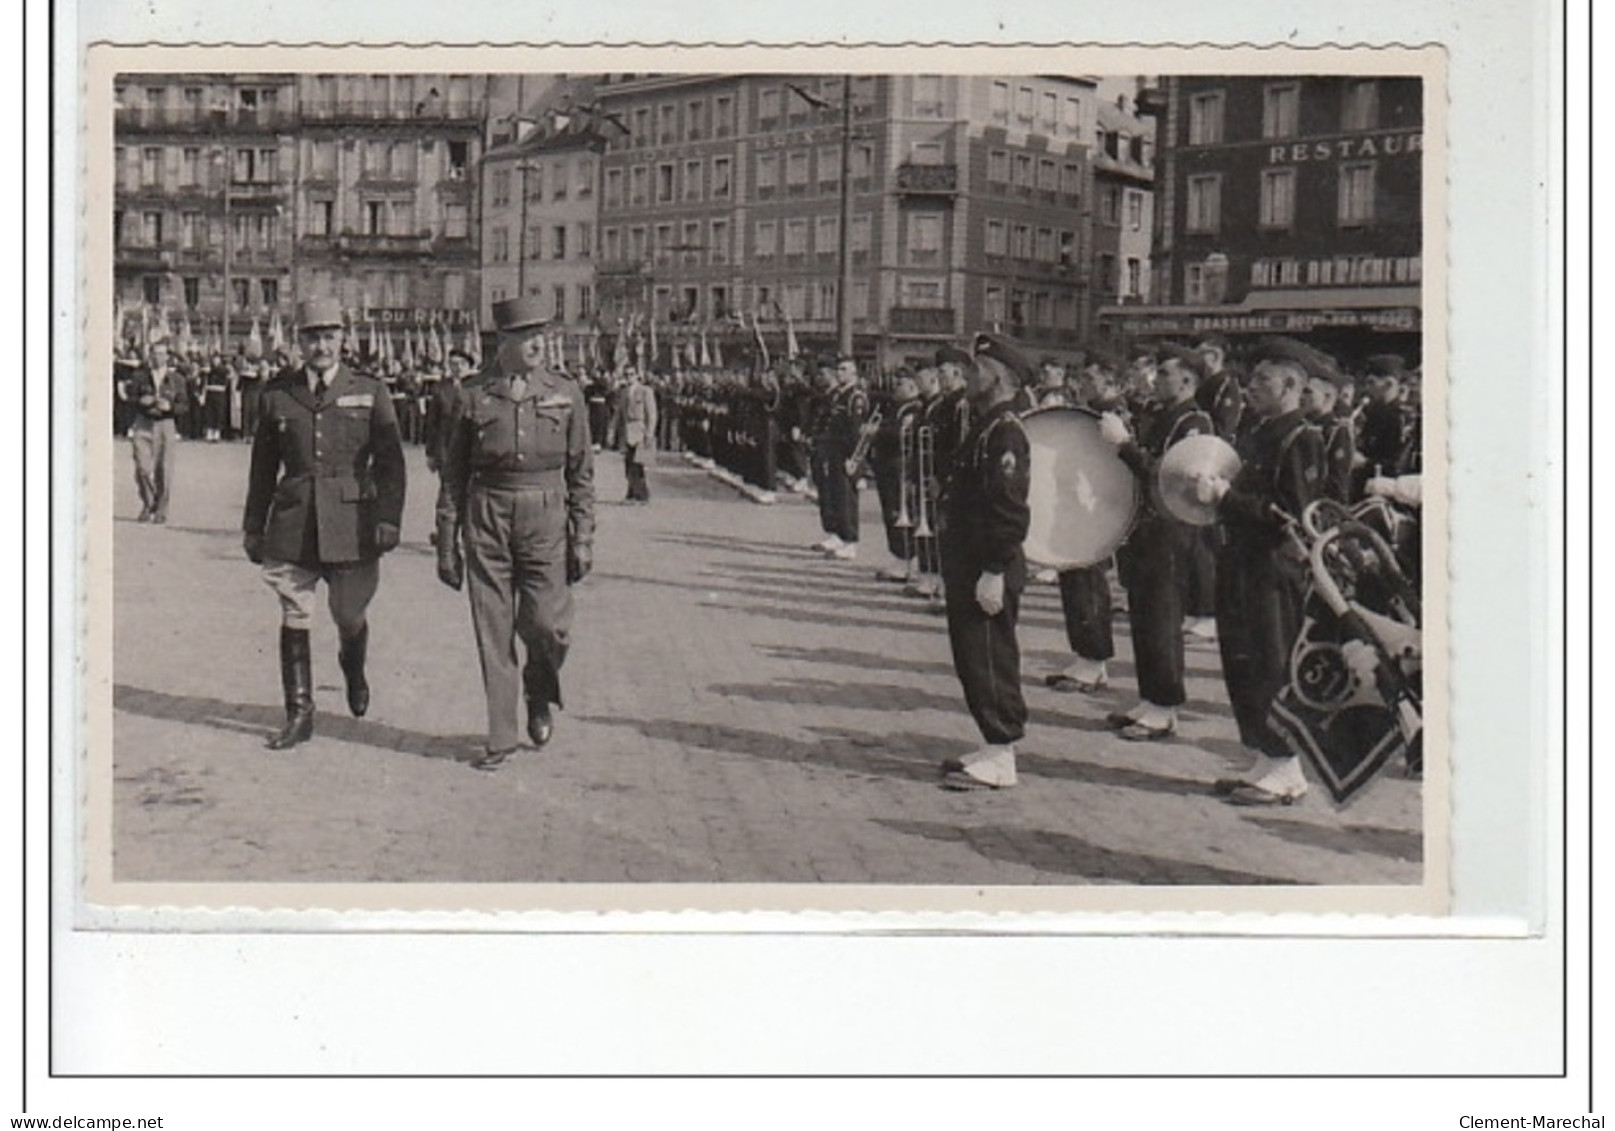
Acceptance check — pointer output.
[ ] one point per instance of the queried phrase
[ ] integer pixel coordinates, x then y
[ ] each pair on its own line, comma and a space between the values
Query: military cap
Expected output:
1387, 365
1190, 359
1141, 349
1006, 351
1097, 356
462, 354
319, 314
1212, 341
955, 355
1308, 360
521, 313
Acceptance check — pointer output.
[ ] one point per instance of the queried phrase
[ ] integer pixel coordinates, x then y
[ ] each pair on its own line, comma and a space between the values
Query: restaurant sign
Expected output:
1388, 319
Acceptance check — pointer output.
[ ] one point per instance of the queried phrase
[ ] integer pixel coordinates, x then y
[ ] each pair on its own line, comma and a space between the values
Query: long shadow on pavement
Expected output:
1396, 844
1120, 777
848, 658
254, 718
904, 756
1050, 851
842, 694
737, 545
797, 596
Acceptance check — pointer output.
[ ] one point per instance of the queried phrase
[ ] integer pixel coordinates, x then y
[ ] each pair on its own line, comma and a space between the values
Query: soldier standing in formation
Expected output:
638, 409
518, 492
325, 497
887, 458
1320, 401
1155, 560
985, 517
846, 408
1258, 593
1085, 591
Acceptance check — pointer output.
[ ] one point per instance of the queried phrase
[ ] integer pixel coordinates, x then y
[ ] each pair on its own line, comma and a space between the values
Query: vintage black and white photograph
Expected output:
842, 482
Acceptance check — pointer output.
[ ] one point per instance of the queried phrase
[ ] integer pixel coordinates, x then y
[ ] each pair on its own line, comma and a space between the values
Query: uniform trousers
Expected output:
515, 555
154, 443
889, 487
1200, 578
1258, 617
349, 588
1153, 565
633, 463
1085, 600
987, 659
838, 498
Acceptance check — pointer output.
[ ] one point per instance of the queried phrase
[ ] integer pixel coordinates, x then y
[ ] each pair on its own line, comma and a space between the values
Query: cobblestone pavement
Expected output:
737, 710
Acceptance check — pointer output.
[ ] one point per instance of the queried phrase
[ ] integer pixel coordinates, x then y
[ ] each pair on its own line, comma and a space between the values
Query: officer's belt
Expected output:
516, 480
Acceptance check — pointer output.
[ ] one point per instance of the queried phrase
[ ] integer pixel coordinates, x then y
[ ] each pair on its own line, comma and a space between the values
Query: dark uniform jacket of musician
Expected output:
1259, 583
340, 467
985, 513
1221, 398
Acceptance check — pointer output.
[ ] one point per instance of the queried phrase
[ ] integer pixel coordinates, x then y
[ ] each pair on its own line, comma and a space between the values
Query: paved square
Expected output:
736, 710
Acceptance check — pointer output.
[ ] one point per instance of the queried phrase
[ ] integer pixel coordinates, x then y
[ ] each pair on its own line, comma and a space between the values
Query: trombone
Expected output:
905, 454
866, 437
924, 474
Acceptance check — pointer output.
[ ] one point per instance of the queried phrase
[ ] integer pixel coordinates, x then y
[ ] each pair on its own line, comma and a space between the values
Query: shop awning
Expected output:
1293, 311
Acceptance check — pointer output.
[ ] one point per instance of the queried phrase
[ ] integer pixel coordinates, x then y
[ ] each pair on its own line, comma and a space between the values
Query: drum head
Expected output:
1083, 497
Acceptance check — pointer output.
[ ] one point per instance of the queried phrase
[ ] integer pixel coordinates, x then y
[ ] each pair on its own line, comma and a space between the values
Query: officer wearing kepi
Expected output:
325, 497
518, 492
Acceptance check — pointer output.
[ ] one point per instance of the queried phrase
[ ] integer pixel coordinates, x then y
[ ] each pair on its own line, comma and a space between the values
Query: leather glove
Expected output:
1112, 431
386, 537
253, 544
990, 593
1210, 488
450, 566
579, 561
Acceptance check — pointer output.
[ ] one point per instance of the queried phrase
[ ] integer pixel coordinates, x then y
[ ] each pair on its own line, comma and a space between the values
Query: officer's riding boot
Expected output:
351, 656
297, 680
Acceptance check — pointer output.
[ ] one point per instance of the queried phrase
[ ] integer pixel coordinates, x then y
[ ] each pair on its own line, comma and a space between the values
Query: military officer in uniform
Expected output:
325, 499
985, 517
1258, 594
518, 493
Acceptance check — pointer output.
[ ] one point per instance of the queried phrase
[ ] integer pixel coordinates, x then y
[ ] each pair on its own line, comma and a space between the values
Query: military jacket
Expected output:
496, 437
1224, 401
325, 471
985, 512
1339, 453
1160, 431
848, 408
1281, 471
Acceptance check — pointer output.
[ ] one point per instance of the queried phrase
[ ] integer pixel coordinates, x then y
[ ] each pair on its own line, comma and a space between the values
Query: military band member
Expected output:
1085, 591
1382, 430
1219, 395
1321, 405
1259, 593
518, 493
847, 410
985, 517
1155, 559
325, 499
890, 458
1223, 399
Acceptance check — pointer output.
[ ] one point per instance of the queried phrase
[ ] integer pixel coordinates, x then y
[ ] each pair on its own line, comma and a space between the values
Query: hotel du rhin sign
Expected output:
1360, 147
414, 316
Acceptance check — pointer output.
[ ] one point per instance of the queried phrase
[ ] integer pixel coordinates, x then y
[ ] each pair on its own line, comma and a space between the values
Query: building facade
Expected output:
1122, 216
721, 198
386, 195
201, 224
1288, 205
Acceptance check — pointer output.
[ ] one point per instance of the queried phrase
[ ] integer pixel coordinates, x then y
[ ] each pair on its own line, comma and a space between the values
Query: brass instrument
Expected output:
925, 473
866, 437
905, 452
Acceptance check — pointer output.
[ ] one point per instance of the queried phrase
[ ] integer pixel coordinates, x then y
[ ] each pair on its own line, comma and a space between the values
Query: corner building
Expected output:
1288, 205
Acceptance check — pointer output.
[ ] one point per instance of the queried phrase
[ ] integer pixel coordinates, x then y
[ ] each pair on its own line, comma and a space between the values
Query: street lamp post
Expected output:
844, 240
223, 156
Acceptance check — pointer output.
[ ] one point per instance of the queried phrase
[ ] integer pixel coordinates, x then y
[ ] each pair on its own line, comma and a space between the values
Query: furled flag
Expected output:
187, 342
255, 340
639, 353
792, 350
757, 331
653, 350
409, 351
690, 357
706, 355
436, 344
277, 332
373, 347
717, 353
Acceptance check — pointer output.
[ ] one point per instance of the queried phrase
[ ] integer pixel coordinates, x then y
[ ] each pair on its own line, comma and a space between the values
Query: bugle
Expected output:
866, 437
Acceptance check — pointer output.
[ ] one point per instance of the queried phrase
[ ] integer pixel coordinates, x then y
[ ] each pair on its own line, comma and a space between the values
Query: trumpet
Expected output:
866, 437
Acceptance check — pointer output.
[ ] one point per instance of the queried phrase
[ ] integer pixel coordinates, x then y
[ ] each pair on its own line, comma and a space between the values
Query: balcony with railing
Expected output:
930, 181
378, 244
359, 111
183, 119
149, 256
930, 320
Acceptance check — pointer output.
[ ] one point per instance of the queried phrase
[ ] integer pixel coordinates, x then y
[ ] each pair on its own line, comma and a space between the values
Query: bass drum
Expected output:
1083, 497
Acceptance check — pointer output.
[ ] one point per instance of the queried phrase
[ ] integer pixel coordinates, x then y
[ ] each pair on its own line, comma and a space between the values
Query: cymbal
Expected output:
1183, 463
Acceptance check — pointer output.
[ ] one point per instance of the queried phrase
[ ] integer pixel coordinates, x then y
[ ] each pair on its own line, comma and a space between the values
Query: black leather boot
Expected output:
351, 657
540, 691
297, 680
